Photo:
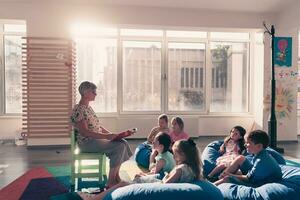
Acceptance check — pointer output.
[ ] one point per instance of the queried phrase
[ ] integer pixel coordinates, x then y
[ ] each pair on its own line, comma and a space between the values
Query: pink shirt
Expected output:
181, 136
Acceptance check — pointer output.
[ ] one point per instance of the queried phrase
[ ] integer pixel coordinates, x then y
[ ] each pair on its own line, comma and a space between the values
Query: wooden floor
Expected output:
16, 160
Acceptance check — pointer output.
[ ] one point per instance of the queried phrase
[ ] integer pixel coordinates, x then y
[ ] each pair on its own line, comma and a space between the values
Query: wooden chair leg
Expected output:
100, 168
72, 173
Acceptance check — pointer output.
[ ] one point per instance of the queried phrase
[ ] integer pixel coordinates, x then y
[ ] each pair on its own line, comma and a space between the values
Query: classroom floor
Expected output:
16, 160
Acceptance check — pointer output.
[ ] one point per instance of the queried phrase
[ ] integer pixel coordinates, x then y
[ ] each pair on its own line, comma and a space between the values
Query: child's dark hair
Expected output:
190, 150
259, 137
164, 117
165, 140
179, 121
241, 141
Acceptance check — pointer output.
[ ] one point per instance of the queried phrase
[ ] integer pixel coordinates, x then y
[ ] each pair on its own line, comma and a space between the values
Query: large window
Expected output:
186, 64
140, 71
141, 76
229, 76
10, 64
97, 62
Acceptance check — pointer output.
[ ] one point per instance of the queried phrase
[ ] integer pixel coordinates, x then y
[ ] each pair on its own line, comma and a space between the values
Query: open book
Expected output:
126, 134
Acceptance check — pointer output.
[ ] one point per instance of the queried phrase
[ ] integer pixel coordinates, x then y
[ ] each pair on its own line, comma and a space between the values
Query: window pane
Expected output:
97, 62
229, 77
20, 28
13, 62
141, 76
186, 61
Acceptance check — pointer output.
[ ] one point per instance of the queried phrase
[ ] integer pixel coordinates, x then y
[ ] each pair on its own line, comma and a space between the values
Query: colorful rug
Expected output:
44, 183
14, 190
292, 163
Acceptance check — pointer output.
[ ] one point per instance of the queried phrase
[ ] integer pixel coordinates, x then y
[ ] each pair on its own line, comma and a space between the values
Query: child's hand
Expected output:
222, 149
111, 136
224, 174
137, 176
153, 155
132, 131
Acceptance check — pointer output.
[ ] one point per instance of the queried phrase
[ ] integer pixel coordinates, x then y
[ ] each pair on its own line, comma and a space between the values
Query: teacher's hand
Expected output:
111, 136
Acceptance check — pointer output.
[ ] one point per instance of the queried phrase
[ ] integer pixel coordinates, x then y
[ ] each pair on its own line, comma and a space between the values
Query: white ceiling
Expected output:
256, 6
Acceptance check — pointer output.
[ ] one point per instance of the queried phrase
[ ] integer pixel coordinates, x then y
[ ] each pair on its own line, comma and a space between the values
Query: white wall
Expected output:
10, 127
55, 20
288, 24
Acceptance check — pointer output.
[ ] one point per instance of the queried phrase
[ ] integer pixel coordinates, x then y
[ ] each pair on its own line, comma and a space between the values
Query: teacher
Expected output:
93, 137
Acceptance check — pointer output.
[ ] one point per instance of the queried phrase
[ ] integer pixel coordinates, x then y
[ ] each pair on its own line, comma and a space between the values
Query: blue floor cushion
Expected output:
142, 155
173, 191
286, 189
211, 153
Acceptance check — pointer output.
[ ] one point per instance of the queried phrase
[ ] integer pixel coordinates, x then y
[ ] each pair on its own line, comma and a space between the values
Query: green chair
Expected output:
86, 165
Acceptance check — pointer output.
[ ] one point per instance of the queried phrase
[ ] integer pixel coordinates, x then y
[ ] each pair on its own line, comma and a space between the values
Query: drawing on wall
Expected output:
283, 104
284, 74
283, 51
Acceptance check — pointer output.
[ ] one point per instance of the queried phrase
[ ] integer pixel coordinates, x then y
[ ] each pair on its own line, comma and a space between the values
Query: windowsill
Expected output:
198, 115
11, 116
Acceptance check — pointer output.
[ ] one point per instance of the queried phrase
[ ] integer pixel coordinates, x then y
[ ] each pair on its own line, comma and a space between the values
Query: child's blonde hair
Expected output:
178, 121
191, 153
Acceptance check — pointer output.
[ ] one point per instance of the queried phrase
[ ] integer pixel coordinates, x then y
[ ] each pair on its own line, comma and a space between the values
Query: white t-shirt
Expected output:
187, 174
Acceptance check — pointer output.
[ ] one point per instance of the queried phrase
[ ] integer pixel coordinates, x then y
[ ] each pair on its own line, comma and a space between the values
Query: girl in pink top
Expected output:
177, 132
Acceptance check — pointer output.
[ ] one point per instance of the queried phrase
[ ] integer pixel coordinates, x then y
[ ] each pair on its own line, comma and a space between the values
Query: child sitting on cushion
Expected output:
163, 161
233, 146
188, 168
261, 170
162, 127
178, 132
144, 151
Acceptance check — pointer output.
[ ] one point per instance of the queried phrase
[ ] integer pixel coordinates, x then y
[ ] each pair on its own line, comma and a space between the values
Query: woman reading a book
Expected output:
93, 137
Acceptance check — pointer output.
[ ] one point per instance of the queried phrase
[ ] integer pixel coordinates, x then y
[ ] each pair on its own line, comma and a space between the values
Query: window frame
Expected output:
185, 40
298, 70
120, 69
3, 111
164, 40
248, 94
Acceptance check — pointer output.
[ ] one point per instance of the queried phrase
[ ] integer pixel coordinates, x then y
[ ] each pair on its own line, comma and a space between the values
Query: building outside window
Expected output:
229, 77
186, 64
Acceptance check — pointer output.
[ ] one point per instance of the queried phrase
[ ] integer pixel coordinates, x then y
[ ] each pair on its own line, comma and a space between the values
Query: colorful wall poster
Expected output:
283, 51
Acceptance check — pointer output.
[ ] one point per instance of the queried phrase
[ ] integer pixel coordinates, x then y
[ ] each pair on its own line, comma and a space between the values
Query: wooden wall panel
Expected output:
48, 86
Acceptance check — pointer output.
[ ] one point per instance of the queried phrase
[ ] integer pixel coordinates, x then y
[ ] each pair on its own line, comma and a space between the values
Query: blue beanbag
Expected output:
211, 153
287, 189
159, 191
142, 155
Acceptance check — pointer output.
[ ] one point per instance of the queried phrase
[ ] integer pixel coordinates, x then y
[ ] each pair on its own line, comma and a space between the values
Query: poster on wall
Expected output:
283, 51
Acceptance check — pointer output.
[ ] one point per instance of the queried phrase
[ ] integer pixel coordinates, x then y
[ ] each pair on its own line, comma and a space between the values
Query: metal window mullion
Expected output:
250, 68
208, 75
119, 74
2, 73
164, 75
